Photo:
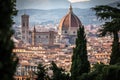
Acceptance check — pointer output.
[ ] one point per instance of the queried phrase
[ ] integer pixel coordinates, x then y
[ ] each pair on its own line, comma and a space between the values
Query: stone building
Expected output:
36, 37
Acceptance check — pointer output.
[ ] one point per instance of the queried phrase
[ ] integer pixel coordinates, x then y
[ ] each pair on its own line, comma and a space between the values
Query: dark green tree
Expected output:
103, 72
111, 27
59, 73
80, 63
42, 73
8, 60
95, 74
111, 72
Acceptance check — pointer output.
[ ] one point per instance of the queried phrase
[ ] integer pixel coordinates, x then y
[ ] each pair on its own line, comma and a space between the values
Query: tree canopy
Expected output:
8, 60
112, 27
80, 63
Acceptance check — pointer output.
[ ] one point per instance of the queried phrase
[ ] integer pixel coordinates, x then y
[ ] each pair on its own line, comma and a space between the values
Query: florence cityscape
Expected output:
66, 40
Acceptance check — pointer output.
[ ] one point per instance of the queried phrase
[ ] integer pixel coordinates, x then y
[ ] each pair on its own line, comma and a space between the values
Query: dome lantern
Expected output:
70, 9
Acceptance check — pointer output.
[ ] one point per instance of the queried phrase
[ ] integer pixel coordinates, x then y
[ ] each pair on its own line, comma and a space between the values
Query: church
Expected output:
68, 27
35, 36
66, 33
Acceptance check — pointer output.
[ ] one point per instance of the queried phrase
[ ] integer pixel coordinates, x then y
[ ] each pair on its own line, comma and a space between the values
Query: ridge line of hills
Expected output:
53, 16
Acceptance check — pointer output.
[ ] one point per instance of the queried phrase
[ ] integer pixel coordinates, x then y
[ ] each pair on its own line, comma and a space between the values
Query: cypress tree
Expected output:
59, 73
42, 73
8, 60
80, 63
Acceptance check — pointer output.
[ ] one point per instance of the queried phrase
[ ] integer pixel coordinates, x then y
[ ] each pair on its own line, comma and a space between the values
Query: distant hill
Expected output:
53, 16
114, 4
87, 16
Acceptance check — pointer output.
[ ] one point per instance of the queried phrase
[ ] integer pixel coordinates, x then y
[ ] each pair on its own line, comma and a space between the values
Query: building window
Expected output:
23, 32
74, 32
39, 36
23, 37
46, 36
65, 31
50, 35
23, 24
27, 25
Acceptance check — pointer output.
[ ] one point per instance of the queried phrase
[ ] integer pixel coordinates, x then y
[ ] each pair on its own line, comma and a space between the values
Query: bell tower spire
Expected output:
25, 28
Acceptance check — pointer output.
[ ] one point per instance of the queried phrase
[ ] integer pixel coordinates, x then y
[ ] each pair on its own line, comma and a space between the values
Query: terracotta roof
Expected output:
70, 20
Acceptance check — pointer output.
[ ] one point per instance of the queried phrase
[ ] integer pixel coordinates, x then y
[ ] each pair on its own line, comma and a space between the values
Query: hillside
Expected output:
87, 16
53, 16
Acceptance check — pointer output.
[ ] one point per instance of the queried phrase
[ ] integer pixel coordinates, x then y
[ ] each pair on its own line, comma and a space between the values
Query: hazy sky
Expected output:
54, 4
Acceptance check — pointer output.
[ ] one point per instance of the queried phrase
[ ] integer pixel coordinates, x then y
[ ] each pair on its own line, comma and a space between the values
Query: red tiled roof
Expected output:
70, 20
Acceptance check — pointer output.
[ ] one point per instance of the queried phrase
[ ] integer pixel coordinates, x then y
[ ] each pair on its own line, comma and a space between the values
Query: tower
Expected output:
33, 36
25, 28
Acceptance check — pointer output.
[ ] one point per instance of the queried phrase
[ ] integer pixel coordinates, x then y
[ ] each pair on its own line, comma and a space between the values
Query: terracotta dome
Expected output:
70, 20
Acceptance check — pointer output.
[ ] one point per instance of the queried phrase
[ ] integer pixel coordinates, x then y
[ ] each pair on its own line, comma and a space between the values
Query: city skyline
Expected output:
55, 4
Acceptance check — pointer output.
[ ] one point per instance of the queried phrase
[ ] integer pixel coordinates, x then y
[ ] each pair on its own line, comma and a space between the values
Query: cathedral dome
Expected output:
69, 20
